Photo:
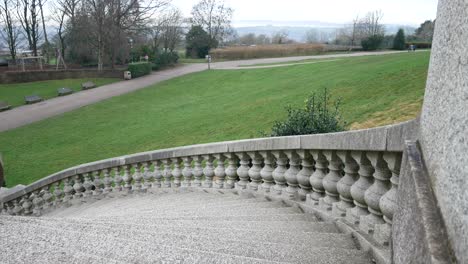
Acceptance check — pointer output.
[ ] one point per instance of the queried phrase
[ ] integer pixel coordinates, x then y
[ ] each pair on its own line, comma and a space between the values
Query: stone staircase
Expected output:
177, 226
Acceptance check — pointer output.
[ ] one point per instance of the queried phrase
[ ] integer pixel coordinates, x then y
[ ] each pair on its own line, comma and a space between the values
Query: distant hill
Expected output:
298, 29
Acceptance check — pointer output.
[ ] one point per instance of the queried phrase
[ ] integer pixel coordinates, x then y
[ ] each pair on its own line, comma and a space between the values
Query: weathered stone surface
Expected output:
189, 227
64, 91
32, 99
2, 172
418, 230
7, 191
444, 121
4, 106
88, 85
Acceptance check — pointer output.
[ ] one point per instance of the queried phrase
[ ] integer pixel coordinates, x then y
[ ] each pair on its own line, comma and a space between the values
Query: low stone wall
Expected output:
32, 76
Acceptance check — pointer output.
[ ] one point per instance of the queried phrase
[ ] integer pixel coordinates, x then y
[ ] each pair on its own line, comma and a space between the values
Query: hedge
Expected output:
139, 69
165, 59
420, 45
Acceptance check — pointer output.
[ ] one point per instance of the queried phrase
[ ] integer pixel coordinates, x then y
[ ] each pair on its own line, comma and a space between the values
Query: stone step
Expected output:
296, 237
137, 244
194, 200
145, 209
240, 217
47, 249
303, 226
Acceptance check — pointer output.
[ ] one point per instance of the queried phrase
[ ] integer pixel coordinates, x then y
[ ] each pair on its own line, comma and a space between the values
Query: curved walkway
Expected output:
28, 114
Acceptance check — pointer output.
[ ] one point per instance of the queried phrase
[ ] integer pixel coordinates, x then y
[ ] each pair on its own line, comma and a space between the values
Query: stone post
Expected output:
443, 139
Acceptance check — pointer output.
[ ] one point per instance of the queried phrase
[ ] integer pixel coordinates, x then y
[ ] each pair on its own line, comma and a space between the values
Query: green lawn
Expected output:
14, 93
214, 106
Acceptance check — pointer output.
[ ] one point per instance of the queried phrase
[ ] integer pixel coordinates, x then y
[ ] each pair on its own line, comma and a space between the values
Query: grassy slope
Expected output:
14, 93
211, 106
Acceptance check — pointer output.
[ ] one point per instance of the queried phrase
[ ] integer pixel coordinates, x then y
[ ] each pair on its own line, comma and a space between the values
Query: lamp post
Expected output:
131, 48
208, 60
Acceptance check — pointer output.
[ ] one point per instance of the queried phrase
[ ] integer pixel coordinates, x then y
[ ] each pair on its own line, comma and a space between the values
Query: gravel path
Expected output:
28, 114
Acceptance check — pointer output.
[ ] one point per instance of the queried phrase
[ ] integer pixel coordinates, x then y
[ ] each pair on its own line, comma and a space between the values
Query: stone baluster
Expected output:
148, 176
26, 204
137, 177
167, 173
176, 173
88, 185
47, 197
38, 203
107, 181
127, 179
187, 172
220, 171
372, 196
117, 180
388, 202
267, 171
303, 177
351, 169
68, 192
157, 174
197, 171
98, 185
359, 188
58, 193
243, 171
316, 180
231, 171
330, 181
78, 187
17, 208
279, 172
10, 208
254, 172
291, 192
208, 171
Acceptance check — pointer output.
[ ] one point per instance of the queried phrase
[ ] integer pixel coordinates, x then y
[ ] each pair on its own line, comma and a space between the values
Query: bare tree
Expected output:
281, 37
28, 15
361, 28
9, 30
215, 18
46, 47
169, 30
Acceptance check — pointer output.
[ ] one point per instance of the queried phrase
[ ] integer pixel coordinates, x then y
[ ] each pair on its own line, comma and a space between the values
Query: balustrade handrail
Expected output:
382, 139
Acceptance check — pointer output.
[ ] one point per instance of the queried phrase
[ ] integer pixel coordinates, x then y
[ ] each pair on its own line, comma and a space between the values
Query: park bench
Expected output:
64, 91
32, 99
4, 106
88, 85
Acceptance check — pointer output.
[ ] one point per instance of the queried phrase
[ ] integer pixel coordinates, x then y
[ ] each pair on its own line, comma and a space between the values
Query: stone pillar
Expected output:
444, 124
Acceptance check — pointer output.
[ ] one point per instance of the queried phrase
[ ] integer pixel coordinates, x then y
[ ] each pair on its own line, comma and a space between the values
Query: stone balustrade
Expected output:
353, 176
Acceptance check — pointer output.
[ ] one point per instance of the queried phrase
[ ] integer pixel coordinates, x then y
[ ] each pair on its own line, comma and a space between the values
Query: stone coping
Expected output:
387, 138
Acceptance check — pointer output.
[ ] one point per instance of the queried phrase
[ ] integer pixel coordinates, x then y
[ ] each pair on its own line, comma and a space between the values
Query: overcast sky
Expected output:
412, 12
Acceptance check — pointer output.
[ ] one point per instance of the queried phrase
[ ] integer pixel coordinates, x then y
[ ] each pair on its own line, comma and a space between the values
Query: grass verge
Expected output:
14, 93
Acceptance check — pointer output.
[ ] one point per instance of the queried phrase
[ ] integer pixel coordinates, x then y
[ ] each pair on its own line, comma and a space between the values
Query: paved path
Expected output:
28, 114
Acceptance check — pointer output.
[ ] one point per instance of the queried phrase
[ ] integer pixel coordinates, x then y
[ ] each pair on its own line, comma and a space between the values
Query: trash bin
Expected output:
127, 75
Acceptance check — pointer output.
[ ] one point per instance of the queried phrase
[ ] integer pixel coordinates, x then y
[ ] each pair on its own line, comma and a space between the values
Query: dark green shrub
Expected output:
318, 116
140, 52
139, 69
399, 43
420, 45
199, 43
372, 42
165, 59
